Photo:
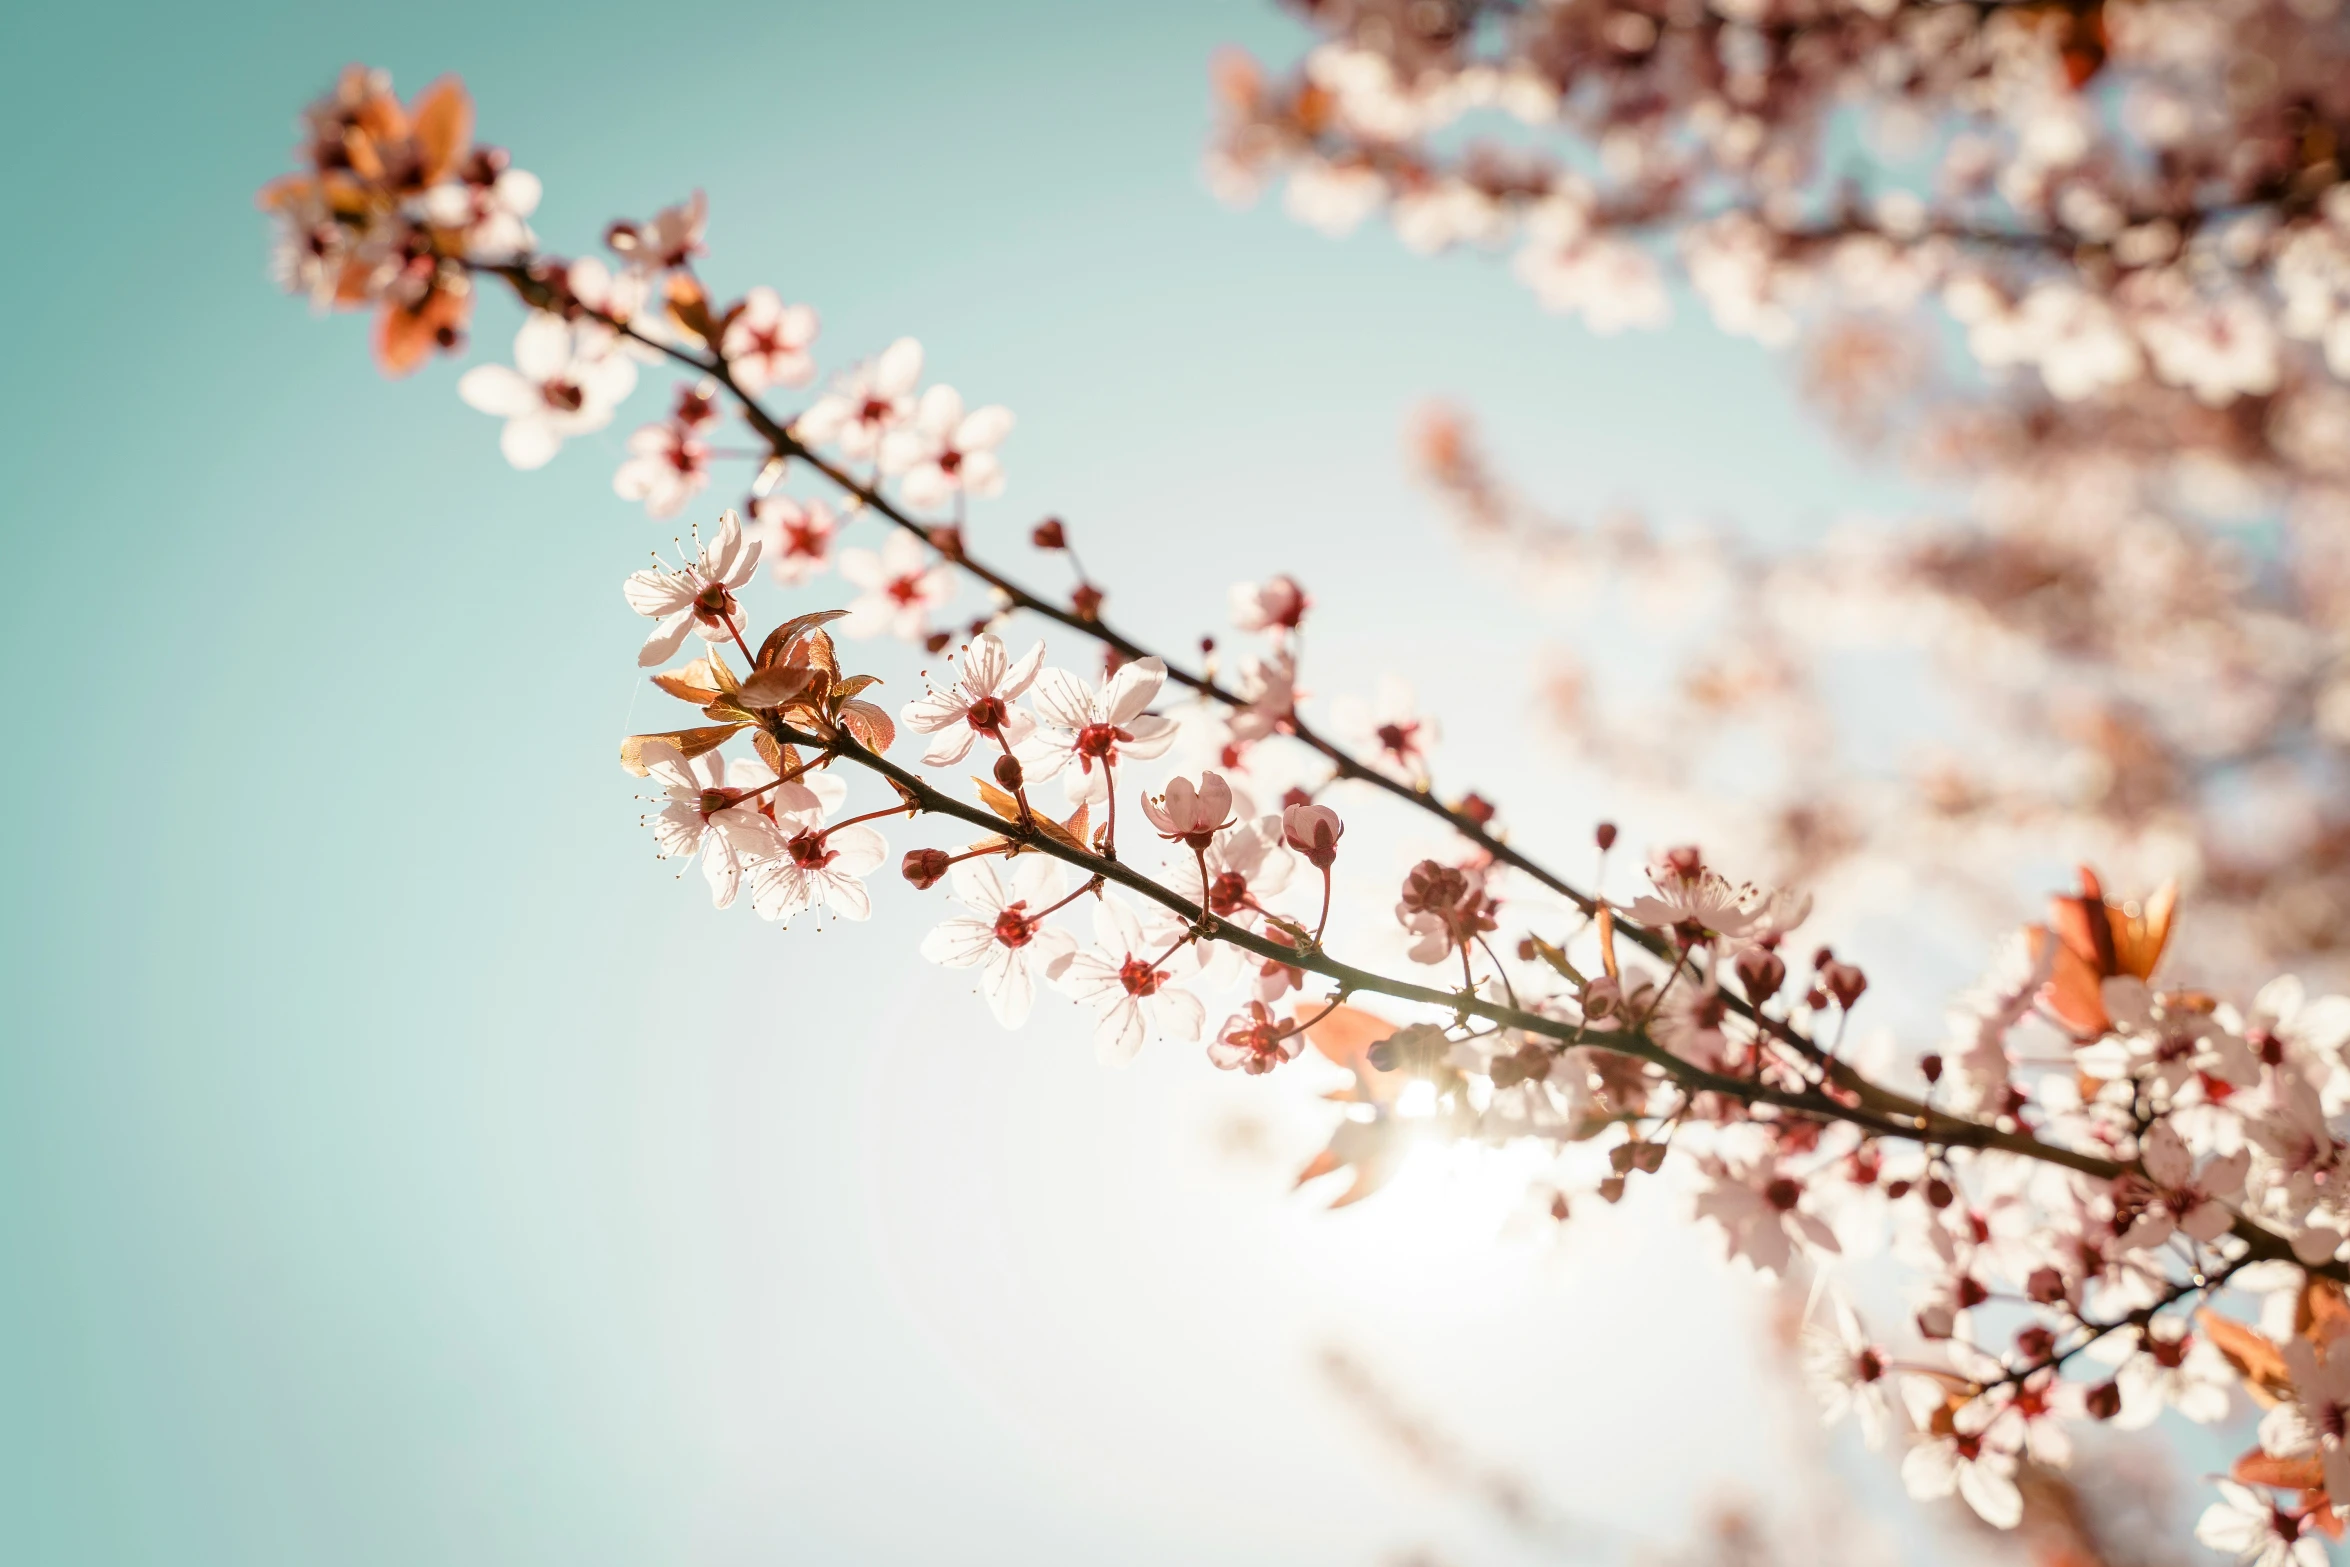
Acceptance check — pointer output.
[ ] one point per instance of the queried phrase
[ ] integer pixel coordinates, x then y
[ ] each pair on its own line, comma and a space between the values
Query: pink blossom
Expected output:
564, 381
1093, 729
667, 466
945, 452
795, 536
1004, 938
902, 584
1129, 974
870, 403
1191, 815
766, 344
814, 865
697, 597
1276, 604
978, 705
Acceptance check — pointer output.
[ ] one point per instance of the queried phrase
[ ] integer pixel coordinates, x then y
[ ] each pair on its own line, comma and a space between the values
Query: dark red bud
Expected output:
1048, 535
1612, 1188
1845, 982
1605, 837
1476, 808
1760, 973
947, 539
923, 867
2035, 1343
938, 641
1938, 1193
1008, 772
2104, 1401
1086, 599
1931, 1065
1971, 1293
2045, 1286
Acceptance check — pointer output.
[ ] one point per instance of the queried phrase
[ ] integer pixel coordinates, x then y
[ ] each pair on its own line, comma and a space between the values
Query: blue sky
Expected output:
397, 1164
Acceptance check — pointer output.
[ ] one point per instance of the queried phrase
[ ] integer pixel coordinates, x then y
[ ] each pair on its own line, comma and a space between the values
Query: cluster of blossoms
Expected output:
2109, 193
2122, 1195
2133, 223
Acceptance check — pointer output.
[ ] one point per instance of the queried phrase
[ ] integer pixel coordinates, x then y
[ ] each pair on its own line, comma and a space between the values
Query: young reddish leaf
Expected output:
2252, 1354
638, 752
2303, 1473
779, 640
874, 729
774, 684
1346, 1034
442, 116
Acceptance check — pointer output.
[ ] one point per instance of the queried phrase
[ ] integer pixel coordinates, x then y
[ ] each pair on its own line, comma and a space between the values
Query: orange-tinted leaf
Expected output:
685, 690
1556, 958
1346, 1034
689, 306
774, 685
2252, 1354
406, 336
442, 116
779, 640
2321, 1314
2305, 1473
874, 729
1607, 942
638, 752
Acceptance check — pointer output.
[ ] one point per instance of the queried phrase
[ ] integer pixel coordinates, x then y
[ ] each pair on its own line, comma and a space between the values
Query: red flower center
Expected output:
562, 396
1228, 893
1139, 978
1100, 741
987, 715
808, 851
1013, 928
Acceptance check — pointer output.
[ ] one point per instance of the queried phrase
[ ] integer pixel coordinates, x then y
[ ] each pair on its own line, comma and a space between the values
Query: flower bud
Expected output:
2045, 1286
1938, 1193
1313, 831
923, 867
1845, 982
1612, 1189
1086, 599
1476, 808
1558, 1206
2035, 1343
2104, 1401
1008, 771
1972, 1292
1049, 535
937, 642
1931, 1065
947, 539
1760, 973
1605, 837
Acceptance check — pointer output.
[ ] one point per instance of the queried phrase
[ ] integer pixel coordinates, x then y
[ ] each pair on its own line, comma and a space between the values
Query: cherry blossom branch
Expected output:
1892, 1115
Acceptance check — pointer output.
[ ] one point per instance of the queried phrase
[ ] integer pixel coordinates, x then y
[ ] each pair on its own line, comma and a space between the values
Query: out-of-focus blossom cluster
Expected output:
2134, 685
2103, 194
2118, 1195
2135, 219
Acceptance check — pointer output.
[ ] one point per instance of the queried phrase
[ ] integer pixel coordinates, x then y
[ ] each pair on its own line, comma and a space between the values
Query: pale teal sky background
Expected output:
397, 1166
